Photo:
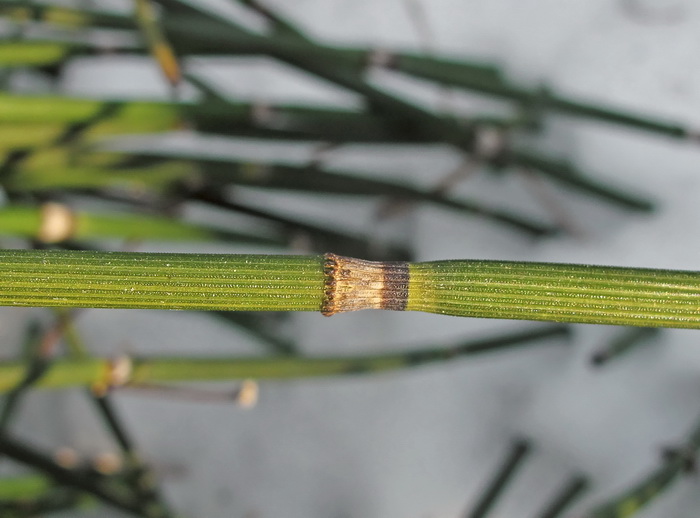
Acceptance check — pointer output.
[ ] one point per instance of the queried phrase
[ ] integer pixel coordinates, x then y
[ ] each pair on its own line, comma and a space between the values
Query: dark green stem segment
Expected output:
101, 373
629, 339
569, 493
517, 454
334, 284
676, 462
108, 493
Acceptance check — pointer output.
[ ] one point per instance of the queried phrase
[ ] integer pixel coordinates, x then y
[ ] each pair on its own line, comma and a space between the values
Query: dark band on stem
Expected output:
355, 284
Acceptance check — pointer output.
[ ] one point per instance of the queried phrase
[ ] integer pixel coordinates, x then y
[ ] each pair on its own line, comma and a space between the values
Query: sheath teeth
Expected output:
355, 284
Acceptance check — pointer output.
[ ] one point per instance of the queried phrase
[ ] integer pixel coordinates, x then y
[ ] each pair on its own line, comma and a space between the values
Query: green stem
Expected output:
100, 372
53, 223
621, 344
35, 368
635, 499
108, 493
478, 77
316, 180
259, 327
24, 487
156, 41
24, 53
341, 67
279, 121
279, 23
65, 16
558, 292
570, 492
676, 462
569, 176
138, 475
517, 454
341, 71
166, 281
55, 500
332, 284
322, 237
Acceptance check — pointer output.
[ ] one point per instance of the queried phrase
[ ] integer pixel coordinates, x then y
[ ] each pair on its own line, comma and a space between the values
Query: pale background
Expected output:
422, 443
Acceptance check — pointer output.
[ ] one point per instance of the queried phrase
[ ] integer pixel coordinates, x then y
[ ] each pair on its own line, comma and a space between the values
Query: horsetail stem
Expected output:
621, 344
505, 474
158, 44
102, 374
107, 490
334, 284
677, 462
569, 492
166, 281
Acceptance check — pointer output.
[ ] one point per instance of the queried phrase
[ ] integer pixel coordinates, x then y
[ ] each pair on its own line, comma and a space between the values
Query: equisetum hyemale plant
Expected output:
334, 284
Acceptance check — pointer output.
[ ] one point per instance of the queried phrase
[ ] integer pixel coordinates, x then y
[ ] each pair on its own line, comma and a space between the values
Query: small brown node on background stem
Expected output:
108, 463
117, 373
57, 223
247, 395
66, 457
355, 284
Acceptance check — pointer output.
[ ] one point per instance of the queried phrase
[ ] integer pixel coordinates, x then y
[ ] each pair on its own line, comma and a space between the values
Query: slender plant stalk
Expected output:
517, 454
58, 500
102, 373
152, 179
35, 367
482, 78
197, 33
569, 176
638, 497
621, 344
157, 43
137, 473
570, 492
55, 223
559, 292
167, 281
37, 495
334, 284
24, 487
314, 180
676, 462
63, 16
22, 53
289, 122
323, 238
105, 490
259, 327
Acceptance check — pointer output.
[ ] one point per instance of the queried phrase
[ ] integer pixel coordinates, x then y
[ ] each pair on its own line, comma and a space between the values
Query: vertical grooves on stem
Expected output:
559, 292
160, 281
505, 474
333, 284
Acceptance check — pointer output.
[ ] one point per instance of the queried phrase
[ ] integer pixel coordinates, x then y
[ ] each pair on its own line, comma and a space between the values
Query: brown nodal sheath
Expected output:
354, 284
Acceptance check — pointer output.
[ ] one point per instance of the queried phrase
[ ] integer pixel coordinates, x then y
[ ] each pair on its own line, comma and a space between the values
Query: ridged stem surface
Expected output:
161, 281
557, 292
487, 289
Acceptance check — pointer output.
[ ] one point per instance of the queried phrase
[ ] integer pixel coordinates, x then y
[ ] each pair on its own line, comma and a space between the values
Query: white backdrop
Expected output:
422, 443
